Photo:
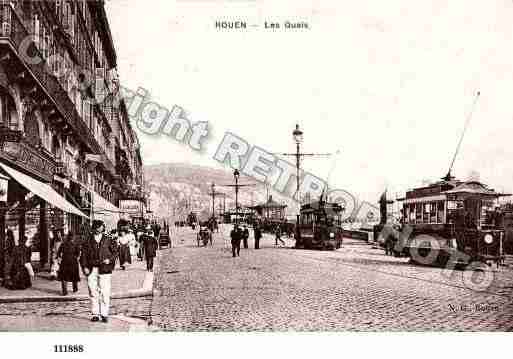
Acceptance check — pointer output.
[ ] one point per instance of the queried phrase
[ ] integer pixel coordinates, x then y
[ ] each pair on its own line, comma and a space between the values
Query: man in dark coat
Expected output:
245, 237
99, 253
150, 248
258, 235
68, 254
236, 237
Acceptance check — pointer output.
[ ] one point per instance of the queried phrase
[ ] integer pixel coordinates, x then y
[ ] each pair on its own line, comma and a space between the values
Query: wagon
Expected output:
204, 237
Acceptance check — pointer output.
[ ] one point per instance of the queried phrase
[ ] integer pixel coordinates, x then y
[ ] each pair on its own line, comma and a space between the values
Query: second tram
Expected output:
319, 226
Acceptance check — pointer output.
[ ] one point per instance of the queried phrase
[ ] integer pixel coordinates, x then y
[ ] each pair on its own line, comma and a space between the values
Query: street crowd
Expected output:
240, 235
95, 253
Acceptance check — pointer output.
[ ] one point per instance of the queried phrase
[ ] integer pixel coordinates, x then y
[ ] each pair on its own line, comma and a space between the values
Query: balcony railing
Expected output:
15, 33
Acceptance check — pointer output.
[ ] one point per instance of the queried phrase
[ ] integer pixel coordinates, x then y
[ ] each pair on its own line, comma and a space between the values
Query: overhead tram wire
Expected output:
332, 169
448, 177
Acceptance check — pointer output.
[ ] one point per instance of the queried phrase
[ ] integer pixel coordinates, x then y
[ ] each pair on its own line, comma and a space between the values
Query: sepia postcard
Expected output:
194, 167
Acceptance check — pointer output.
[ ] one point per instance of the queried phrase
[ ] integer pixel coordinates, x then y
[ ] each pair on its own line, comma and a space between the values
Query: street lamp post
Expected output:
298, 138
213, 200
297, 135
236, 175
214, 194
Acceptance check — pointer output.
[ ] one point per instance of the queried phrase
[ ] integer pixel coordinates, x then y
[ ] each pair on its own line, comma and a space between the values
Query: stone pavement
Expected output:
131, 314
356, 288
130, 307
135, 281
73, 323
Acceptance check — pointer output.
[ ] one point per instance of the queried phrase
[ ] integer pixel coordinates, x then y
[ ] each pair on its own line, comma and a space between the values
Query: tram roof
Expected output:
314, 206
475, 188
442, 189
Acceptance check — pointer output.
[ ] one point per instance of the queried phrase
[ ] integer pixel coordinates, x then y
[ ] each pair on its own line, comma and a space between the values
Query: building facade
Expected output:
65, 135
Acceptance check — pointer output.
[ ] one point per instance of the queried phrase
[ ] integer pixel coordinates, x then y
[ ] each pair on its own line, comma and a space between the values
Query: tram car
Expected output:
452, 222
319, 226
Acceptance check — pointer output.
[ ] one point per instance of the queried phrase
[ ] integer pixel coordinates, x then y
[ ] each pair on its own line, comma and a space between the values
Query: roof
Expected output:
314, 206
270, 204
474, 188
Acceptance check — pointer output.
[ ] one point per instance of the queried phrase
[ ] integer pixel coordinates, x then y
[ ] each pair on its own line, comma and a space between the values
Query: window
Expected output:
433, 212
418, 213
56, 148
426, 212
5, 109
412, 213
453, 208
440, 212
27, 9
31, 129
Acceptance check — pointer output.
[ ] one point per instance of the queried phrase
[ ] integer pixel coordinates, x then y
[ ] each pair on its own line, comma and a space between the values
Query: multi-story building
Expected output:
65, 138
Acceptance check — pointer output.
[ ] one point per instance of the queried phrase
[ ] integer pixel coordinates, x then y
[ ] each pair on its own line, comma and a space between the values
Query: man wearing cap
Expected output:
98, 258
150, 248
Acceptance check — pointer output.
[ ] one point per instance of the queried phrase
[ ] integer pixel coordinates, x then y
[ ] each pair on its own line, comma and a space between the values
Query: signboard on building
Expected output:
29, 159
131, 207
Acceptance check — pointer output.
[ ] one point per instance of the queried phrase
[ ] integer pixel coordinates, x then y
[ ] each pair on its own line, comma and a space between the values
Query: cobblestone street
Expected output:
355, 288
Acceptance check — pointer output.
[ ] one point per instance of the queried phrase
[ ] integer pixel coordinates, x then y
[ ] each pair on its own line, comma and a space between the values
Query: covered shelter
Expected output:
270, 210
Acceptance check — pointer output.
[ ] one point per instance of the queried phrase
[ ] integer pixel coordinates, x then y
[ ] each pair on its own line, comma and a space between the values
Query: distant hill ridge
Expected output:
178, 188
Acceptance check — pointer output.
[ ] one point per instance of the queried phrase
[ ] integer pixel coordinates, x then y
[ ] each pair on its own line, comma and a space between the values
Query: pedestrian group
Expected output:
96, 255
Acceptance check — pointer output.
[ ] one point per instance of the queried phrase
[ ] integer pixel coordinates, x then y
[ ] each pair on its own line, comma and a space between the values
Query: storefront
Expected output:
133, 211
31, 206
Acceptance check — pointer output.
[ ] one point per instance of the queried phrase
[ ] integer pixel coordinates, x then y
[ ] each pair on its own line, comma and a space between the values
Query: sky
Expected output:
388, 84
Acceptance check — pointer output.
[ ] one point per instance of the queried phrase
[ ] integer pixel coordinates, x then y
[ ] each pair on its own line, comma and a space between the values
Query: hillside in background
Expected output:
177, 188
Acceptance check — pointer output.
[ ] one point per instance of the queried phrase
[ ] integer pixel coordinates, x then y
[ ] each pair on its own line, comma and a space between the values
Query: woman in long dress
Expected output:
20, 269
124, 248
57, 242
68, 271
133, 244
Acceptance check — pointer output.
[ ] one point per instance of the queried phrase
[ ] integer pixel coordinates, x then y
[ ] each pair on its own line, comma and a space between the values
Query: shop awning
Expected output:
42, 190
105, 211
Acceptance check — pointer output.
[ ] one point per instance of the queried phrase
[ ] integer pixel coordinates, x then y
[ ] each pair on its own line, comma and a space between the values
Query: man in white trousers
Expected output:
98, 259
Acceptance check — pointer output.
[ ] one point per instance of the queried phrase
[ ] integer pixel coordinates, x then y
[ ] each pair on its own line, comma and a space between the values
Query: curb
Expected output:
136, 293
145, 291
